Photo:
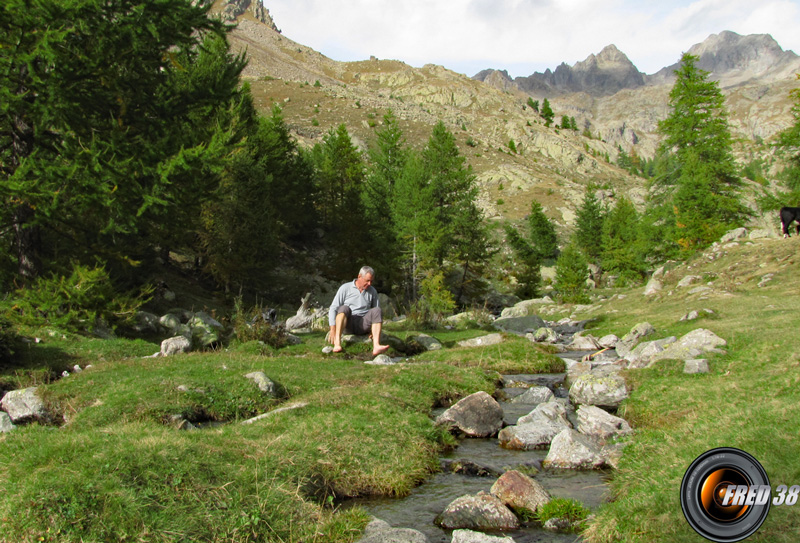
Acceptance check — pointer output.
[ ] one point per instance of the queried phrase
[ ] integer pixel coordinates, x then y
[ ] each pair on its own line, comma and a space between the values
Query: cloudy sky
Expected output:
525, 36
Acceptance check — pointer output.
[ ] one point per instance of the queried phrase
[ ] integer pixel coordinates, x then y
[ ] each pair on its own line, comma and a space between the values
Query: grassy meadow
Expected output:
113, 466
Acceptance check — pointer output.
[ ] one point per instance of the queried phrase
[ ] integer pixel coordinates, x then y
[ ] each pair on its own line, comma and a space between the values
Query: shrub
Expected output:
75, 303
436, 302
255, 324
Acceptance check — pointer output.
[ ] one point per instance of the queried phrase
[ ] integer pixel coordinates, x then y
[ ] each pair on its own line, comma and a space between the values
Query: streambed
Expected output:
419, 509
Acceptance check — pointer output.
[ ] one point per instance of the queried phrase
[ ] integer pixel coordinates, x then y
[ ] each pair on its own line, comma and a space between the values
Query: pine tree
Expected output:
571, 275
341, 177
527, 264
789, 144
542, 233
547, 113
705, 183
621, 249
109, 121
589, 226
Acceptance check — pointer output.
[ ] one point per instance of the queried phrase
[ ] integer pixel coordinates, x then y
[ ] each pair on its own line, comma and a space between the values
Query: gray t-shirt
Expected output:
359, 302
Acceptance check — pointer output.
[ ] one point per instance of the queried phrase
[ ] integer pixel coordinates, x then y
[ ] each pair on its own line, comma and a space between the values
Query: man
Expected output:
355, 308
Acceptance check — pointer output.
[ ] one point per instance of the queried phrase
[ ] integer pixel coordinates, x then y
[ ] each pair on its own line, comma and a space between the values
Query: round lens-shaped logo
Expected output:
714, 495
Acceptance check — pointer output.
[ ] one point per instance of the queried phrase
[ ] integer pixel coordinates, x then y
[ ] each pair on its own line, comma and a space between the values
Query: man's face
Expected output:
363, 281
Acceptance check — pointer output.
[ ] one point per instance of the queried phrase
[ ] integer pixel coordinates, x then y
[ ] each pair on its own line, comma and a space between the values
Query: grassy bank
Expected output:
113, 467
749, 400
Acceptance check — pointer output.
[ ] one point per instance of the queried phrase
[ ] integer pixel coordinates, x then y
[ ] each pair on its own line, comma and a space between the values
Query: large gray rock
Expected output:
25, 406
175, 345
264, 383
642, 354
520, 492
379, 531
482, 341
5, 423
639, 331
543, 335
470, 536
536, 429
696, 365
534, 395
481, 512
477, 415
572, 450
583, 343
206, 330
653, 287
519, 325
600, 390
596, 422
430, 343
692, 345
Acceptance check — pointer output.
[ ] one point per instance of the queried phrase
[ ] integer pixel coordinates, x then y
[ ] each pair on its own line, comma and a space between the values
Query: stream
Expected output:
419, 509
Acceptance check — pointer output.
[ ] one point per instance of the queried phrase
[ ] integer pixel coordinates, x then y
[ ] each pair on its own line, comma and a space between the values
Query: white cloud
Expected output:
524, 36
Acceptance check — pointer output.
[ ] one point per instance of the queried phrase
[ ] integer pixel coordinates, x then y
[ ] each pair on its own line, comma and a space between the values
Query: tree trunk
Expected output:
27, 240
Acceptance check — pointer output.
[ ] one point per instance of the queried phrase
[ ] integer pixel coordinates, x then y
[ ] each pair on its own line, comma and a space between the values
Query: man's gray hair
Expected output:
366, 270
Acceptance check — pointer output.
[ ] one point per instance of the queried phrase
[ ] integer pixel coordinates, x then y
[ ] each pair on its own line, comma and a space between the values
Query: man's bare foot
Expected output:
380, 349
338, 349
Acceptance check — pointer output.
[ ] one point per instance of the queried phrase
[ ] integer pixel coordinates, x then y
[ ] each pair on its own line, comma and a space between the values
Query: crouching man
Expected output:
355, 310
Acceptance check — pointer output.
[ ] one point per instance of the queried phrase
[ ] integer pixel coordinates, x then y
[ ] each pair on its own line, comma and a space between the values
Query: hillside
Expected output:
607, 95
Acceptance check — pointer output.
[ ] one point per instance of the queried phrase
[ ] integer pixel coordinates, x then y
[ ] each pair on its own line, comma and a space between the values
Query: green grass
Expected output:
117, 469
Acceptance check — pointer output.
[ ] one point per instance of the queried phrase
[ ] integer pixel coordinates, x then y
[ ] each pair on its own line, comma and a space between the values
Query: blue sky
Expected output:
525, 36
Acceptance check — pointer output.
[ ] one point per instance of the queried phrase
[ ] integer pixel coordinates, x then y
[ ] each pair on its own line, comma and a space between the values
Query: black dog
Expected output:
789, 214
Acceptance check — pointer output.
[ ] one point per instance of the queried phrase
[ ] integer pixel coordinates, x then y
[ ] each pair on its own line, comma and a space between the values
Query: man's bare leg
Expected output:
377, 348
341, 321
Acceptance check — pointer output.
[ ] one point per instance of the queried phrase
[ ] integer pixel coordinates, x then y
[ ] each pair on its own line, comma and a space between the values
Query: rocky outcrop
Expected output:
477, 415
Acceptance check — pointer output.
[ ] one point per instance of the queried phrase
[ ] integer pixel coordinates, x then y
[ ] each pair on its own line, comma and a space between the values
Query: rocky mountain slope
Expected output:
608, 96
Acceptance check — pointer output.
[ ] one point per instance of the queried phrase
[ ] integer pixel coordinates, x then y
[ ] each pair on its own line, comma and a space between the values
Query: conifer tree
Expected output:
589, 226
547, 113
621, 249
704, 184
108, 123
527, 264
789, 144
571, 275
542, 233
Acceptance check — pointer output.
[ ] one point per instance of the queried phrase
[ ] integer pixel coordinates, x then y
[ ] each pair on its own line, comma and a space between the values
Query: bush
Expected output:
255, 324
436, 302
571, 275
76, 303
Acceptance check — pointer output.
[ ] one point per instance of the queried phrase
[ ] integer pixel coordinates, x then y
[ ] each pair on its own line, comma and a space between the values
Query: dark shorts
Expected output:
360, 325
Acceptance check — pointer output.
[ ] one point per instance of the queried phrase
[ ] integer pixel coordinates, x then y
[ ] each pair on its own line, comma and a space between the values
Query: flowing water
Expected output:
419, 509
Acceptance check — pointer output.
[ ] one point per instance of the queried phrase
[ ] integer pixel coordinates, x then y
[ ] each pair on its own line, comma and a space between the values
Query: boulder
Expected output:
691, 345
519, 325
653, 287
734, 235
24, 406
477, 415
480, 512
519, 492
380, 360
596, 422
639, 331
572, 450
689, 280
175, 345
171, 323
482, 341
583, 343
600, 390
429, 343
5, 423
305, 316
470, 536
379, 531
206, 330
608, 342
536, 429
643, 353
696, 365
534, 395
145, 322
543, 335
264, 383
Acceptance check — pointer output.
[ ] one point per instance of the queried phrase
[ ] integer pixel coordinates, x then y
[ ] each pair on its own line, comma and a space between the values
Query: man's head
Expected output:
364, 279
